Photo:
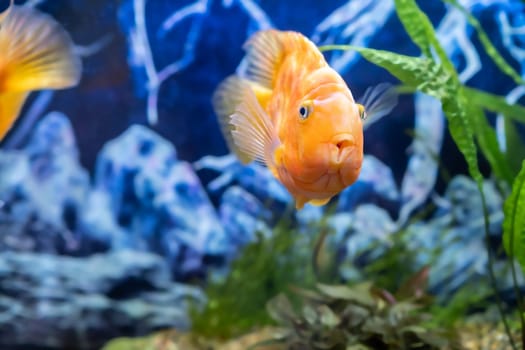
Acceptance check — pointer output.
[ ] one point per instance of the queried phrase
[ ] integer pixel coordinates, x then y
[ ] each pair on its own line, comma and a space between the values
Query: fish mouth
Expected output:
340, 148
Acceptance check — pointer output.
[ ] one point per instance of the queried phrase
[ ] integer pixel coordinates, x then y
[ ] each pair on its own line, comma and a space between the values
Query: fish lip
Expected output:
342, 137
341, 146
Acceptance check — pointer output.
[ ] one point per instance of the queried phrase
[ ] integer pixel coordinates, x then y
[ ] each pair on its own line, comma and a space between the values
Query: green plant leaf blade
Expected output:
488, 142
515, 146
418, 26
514, 221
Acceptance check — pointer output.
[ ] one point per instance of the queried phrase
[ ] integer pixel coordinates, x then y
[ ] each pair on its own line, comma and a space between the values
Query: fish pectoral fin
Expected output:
264, 54
37, 53
377, 102
10, 106
253, 133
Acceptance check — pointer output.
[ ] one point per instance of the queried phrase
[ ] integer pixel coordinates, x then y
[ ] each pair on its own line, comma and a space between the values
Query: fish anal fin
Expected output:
264, 54
36, 52
300, 201
10, 106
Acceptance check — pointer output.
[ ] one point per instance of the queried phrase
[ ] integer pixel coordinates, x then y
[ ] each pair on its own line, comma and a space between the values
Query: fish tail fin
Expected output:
10, 105
36, 52
264, 53
378, 101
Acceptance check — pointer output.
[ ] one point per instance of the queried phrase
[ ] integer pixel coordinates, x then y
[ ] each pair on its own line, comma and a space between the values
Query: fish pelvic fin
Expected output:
10, 106
377, 102
35, 52
319, 202
264, 54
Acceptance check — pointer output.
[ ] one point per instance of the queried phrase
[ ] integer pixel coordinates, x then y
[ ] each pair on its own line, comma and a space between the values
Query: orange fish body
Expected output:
35, 53
294, 113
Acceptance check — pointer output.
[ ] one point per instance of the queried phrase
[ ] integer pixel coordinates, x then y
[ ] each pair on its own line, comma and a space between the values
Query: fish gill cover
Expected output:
166, 189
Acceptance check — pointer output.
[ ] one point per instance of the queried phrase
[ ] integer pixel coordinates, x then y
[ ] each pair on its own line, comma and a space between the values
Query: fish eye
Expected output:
305, 111
362, 113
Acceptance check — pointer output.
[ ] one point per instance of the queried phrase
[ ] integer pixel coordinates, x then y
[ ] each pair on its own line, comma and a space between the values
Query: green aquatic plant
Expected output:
514, 235
361, 316
514, 223
263, 269
434, 74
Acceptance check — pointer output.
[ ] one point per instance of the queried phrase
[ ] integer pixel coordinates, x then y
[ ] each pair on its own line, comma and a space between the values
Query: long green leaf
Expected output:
496, 104
455, 107
490, 49
514, 236
418, 26
421, 73
514, 221
515, 146
417, 32
488, 142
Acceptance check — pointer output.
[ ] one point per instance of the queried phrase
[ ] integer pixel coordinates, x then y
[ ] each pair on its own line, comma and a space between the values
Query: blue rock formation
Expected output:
159, 201
69, 303
375, 184
451, 241
243, 216
43, 188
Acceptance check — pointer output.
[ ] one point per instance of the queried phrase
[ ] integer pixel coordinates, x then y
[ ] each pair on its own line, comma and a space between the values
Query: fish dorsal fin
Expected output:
35, 52
6, 11
244, 123
264, 52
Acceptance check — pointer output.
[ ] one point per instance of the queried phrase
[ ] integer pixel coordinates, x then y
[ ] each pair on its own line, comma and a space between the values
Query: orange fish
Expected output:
35, 53
294, 113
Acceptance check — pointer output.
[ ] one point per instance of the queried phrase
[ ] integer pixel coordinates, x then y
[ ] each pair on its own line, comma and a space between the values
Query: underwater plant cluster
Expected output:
122, 247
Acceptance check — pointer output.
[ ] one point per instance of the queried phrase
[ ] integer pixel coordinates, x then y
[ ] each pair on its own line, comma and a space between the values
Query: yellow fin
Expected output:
10, 105
245, 125
300, 201
263, 94
319, 202
35, 52
225, 100
253, 133
264, 54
